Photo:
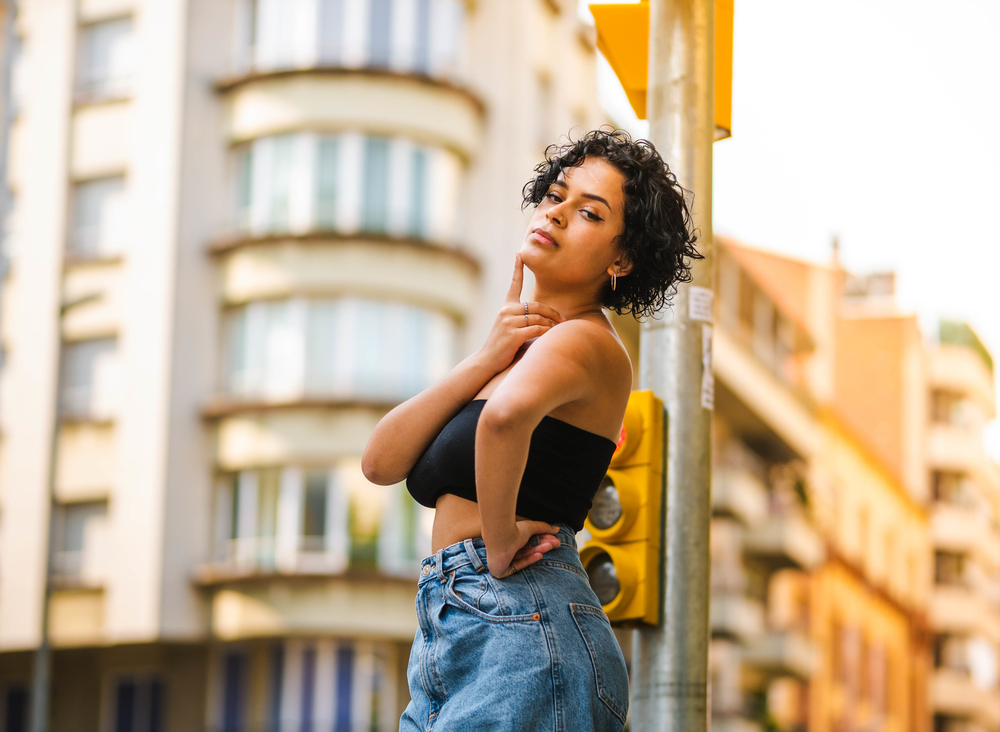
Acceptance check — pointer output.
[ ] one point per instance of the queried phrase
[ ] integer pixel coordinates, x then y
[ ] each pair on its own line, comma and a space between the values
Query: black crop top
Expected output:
565, 467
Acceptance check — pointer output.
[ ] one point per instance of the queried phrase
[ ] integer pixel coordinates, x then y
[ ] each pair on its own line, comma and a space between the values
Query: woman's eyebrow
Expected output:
591, 196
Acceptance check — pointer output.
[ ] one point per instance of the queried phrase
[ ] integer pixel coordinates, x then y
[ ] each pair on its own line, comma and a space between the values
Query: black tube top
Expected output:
564, 469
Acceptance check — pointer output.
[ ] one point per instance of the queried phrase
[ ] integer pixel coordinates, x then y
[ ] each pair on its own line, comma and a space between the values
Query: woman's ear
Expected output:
621, 266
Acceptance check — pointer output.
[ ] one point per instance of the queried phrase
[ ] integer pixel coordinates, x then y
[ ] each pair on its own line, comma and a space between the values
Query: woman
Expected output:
510, 448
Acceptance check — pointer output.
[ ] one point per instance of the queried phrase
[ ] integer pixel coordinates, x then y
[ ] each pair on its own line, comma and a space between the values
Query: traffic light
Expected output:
623, 557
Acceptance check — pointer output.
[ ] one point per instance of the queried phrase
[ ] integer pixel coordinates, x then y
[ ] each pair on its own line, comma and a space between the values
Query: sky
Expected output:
874, 122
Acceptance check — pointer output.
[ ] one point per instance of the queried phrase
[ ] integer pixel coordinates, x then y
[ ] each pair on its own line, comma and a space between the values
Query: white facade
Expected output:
243, 230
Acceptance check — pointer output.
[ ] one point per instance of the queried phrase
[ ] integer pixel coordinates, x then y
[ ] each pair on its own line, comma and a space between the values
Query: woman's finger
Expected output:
541, 309
518, 320
514, 292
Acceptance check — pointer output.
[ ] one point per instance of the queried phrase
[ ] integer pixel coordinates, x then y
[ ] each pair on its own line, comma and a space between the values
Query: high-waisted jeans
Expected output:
530, 652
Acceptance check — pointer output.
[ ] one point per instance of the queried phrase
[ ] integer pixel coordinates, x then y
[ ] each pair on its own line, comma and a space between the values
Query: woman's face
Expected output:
571, 236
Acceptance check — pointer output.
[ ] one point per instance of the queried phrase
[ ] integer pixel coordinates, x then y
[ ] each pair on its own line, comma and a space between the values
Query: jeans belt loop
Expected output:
439, 564
477, 563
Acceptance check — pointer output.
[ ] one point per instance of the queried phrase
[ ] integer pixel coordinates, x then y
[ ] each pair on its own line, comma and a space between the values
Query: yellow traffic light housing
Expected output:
623, 557
623, 37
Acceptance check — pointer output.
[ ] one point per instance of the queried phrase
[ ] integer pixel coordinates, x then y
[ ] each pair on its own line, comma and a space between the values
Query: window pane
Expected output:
16, 714
281, 183
380, 38
326, 183
99, 211
125, 707
422, 55
156, 706
329, 28
244, 188
268, 487
308, 688
375, 204
370, 357
277, 683
344, 681
236, 337
413, 356
314, 507
106, 62
321, 344
234, 670
418, 197
82, 378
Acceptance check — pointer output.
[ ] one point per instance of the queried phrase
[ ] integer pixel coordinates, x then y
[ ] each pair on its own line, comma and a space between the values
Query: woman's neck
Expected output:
568, 306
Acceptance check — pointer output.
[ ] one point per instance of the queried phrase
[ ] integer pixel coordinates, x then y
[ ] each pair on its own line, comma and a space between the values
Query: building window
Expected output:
107, 59
333, 684
949, 568
139, 705
345, 183
421, 36
16, 709
375, 199
100, 224
89, 380
951, 487
292, 520
327, 171
341, 348
80, 532
234, 691
380, 33
949, 407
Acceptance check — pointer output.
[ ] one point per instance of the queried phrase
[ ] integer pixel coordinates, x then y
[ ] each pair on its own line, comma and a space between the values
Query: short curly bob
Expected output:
657, 237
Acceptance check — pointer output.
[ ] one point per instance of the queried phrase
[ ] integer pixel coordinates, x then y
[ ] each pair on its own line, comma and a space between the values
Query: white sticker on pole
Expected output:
700, 303
707, 377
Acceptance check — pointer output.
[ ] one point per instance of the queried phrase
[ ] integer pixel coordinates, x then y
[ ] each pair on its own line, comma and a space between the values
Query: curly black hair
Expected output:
657, 238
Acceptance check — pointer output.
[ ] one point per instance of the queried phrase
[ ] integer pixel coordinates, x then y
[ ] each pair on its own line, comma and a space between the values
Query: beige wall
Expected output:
29, 375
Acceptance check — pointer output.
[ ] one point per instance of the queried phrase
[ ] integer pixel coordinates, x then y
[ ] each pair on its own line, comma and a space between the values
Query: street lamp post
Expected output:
670, 661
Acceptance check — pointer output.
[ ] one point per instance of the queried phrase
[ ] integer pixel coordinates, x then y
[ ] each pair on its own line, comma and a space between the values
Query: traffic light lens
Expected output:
607, 507
603, 578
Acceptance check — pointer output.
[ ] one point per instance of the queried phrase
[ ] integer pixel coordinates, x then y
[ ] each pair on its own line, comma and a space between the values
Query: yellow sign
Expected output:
623, 37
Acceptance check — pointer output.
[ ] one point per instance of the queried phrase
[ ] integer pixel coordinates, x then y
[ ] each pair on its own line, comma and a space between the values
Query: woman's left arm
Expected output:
560, 367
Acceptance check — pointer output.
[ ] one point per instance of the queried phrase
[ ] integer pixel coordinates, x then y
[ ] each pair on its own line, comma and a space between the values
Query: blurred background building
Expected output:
243, 230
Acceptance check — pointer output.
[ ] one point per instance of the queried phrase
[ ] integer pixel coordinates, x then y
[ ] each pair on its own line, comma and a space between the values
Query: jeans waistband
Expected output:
473, 551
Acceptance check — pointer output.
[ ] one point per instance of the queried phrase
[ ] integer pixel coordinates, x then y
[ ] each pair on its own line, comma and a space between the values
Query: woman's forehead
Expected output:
597, 176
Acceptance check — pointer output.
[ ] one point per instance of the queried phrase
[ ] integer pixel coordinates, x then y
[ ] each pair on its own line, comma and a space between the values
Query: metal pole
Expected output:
670, 662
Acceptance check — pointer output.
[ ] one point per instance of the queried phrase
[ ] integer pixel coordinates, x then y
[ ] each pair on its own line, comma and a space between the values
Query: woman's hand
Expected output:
515, 552
510, 330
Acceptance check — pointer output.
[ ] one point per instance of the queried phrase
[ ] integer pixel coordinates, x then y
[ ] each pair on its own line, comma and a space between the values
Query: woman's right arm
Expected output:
402, 435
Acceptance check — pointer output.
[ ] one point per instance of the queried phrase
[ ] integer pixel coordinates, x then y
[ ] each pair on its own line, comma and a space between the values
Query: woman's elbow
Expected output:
375, 472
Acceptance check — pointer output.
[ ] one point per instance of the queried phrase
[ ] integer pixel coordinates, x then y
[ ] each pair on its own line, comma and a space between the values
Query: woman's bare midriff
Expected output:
457, 519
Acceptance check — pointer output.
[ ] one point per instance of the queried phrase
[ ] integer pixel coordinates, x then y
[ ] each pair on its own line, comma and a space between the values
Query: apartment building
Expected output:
242, 231
965, 523
820, 549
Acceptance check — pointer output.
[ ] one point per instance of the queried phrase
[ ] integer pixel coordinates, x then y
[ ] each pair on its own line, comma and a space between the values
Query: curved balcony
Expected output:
376, 65
324, 266
325, 535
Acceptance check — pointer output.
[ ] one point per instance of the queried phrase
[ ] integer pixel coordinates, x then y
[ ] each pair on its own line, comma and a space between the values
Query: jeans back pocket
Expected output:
605, 656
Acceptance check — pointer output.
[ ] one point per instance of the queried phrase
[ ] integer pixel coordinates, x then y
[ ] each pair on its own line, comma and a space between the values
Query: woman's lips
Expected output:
543, 238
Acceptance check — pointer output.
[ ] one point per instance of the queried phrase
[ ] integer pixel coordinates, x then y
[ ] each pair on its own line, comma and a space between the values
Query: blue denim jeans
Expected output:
530, 652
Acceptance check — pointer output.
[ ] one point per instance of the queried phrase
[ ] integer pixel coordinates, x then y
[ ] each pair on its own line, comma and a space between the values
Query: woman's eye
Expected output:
552, 197
592, 216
